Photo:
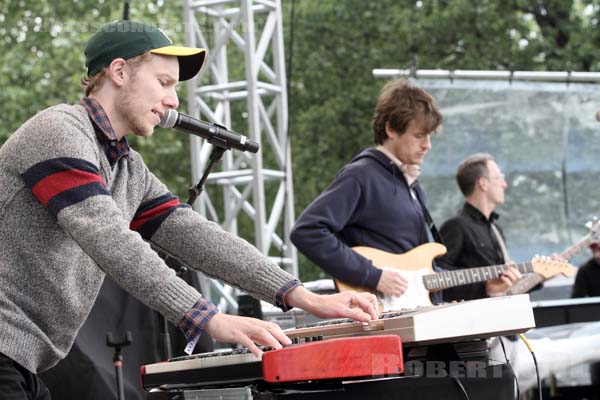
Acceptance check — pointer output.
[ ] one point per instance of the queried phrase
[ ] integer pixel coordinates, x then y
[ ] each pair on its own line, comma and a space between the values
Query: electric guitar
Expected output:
416, 266
530, 281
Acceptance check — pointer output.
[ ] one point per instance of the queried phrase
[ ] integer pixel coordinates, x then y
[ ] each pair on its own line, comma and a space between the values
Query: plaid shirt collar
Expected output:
114, 149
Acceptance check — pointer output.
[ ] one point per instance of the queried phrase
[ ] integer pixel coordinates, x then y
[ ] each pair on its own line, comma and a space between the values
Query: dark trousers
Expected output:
17, 383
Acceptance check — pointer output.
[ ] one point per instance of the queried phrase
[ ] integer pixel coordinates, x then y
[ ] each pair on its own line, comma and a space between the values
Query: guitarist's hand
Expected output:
499, 286
392, 283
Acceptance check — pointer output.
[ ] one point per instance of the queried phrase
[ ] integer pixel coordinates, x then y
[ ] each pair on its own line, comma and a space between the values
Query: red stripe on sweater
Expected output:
152, 213
59, 182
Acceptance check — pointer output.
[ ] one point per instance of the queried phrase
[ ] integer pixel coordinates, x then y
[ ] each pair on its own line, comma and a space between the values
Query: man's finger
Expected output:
278, 334
249, 344
374, 302
264, 337
365, 305
358, 315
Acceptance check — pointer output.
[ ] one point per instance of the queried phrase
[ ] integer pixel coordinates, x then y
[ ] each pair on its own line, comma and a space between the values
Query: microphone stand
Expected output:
118, 359
215, 156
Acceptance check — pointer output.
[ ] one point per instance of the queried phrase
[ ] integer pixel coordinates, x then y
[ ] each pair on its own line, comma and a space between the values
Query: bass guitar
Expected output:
416, 266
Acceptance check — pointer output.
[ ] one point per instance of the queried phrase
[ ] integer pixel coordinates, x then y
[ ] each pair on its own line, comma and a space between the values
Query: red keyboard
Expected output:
312, 359
336, 358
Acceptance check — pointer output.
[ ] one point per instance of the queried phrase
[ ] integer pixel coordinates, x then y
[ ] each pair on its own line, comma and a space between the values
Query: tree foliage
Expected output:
335, 44
43, 62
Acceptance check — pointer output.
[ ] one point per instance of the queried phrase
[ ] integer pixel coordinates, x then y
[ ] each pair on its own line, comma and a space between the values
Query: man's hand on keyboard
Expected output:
247, 332
358, 306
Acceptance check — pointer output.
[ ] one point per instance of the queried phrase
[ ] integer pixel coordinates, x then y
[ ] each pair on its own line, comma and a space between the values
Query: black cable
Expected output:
126, 10
564, 177
511, 368
290, 54
537, 373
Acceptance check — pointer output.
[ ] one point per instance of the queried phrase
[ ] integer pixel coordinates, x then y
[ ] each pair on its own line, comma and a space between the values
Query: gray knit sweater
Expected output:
67, 219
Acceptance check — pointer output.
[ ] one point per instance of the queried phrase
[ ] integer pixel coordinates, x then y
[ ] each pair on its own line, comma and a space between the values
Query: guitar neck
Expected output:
576, 248
449, 279
531, 281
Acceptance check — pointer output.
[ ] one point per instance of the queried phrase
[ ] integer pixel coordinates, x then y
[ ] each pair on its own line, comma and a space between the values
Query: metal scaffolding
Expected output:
543, 76
244, 79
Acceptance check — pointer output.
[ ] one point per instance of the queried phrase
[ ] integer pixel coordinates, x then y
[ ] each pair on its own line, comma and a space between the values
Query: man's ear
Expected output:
116, 71
482, 183
389, 131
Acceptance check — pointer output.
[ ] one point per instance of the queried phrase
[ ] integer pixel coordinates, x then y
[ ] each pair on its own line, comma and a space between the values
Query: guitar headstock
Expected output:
594, 227
549, 267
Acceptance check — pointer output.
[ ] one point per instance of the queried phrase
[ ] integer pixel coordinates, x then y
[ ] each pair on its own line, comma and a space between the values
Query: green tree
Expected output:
43, 62
337, 44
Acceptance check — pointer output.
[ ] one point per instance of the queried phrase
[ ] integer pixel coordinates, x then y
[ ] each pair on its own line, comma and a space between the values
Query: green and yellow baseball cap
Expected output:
127, 39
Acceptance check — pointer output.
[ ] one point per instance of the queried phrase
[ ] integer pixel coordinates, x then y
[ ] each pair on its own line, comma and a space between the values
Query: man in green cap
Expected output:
78, 203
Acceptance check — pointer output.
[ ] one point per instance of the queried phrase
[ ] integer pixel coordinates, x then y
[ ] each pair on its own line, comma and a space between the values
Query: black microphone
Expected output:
215, 134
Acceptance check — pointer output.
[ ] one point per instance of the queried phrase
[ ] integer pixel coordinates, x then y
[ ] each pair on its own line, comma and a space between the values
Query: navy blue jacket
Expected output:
368, 204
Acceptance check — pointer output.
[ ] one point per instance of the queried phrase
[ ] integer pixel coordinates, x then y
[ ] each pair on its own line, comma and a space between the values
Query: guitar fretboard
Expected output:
448, 279
576, 248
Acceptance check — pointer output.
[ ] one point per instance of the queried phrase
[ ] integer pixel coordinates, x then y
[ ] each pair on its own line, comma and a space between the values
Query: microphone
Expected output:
215, 134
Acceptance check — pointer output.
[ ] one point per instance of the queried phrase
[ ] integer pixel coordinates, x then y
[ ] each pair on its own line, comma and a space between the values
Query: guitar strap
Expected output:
432, 229
434, 236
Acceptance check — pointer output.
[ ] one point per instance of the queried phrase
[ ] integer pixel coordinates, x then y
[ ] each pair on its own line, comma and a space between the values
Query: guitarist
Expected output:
587, 281
473, 238
376, 199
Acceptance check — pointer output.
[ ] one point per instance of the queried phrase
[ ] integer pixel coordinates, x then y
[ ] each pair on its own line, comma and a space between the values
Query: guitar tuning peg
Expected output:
590, 224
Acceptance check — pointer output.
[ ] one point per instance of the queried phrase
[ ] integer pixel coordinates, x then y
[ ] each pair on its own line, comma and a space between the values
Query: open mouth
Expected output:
159, 115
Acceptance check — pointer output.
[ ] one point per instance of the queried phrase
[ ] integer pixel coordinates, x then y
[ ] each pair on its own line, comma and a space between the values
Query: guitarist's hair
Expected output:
399, 103
470, 170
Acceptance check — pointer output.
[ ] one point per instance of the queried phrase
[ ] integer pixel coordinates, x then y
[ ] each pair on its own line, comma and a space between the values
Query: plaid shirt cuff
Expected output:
281, 293
193, 322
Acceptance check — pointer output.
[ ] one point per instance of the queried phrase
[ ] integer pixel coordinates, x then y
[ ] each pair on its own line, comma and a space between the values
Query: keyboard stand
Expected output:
493, 381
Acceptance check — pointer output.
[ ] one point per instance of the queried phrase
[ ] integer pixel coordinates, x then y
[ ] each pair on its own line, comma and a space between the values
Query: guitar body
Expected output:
416, 266
413, 264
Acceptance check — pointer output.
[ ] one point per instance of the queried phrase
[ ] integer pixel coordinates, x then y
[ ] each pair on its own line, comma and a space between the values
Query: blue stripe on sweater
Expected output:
150, 227
46, 168
74, 196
